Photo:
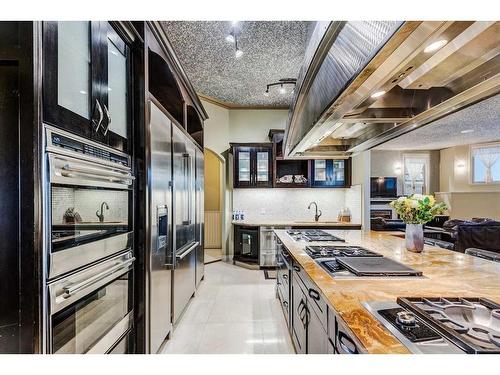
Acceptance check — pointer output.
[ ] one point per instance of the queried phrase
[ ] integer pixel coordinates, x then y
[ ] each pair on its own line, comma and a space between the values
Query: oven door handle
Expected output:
96, 172
70, 290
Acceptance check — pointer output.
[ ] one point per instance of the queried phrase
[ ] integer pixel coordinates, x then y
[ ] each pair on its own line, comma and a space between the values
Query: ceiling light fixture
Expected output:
378, 94
467, 131
435, 46
282, 82
238, 53
232, 38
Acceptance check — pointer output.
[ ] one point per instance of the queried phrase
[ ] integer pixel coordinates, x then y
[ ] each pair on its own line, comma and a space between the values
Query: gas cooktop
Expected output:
442, 325
339, 251
312, 235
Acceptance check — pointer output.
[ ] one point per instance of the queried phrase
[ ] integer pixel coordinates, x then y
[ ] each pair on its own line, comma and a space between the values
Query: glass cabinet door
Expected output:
117, 88
244, 166
263, 166
73, 67
319, 170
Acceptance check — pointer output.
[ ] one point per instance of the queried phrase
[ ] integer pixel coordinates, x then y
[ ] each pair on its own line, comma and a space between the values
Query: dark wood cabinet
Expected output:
86, 85
253, 165
246, 244
330, 173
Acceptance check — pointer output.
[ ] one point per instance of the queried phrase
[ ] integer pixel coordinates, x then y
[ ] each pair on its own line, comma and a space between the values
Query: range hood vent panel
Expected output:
350, 46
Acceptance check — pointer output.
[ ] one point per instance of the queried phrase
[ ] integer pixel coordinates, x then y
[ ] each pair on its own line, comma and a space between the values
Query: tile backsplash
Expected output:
291, 204
87, 201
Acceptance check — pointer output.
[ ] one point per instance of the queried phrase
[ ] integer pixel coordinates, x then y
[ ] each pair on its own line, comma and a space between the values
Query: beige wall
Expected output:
216, 129
465, 200
252, 125
239, 125
213, 172
384, 162
456, 179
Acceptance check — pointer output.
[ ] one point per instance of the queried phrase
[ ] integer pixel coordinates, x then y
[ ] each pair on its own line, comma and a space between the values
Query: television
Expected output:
384, 187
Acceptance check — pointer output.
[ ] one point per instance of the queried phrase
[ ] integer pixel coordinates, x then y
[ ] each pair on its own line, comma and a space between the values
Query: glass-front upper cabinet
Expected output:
252, 166
330, 173
85, 81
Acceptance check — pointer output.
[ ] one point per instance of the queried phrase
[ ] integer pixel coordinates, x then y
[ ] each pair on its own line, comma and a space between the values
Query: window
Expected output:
485, 162
416, 174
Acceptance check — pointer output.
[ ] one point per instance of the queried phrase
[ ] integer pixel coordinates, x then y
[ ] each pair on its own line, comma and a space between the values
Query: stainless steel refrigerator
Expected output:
160, 214
185, 243
200, 215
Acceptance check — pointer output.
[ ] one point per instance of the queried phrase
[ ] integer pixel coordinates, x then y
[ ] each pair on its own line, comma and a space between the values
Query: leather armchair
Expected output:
483, 235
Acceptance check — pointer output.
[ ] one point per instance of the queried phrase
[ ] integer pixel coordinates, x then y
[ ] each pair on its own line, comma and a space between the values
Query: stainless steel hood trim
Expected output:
70, 259
353, 47
483, 90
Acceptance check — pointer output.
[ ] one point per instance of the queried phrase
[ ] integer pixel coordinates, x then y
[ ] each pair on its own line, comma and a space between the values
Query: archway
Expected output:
214, 206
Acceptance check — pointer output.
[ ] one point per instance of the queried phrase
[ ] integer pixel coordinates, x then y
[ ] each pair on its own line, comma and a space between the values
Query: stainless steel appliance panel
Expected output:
160, 246
90, 310
200, 215
268, 247
184, 154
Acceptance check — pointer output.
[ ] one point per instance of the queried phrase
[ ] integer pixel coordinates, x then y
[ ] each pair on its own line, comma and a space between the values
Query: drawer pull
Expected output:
314, 294
285, 276
296, 269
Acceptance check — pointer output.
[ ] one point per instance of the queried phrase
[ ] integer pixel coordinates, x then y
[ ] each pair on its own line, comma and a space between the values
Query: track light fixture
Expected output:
282, 82
232, 37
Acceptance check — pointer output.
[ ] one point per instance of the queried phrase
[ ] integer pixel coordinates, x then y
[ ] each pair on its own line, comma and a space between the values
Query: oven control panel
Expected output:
75, 145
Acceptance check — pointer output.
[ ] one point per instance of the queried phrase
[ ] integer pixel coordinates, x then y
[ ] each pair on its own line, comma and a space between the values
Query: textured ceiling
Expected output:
482, 117
271, 50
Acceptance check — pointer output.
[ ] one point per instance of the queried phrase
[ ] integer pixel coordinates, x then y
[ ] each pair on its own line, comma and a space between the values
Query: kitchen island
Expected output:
445, 274
297, 224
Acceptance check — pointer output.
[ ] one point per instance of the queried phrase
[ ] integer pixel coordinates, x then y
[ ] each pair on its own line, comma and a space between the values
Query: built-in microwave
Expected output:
88, 201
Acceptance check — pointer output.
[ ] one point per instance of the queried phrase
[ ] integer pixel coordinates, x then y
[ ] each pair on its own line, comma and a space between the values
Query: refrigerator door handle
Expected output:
187, 251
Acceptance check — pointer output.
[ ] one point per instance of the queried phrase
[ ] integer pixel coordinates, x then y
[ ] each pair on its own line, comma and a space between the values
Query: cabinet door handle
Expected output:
106, 111
296, 269
342, 336
314, 294
98, 107
285, 276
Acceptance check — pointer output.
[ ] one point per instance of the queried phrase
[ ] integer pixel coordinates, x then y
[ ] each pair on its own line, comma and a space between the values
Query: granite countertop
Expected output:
446, 273
291, 223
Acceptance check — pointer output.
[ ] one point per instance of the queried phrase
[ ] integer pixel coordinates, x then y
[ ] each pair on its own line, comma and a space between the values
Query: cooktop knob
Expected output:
406, 318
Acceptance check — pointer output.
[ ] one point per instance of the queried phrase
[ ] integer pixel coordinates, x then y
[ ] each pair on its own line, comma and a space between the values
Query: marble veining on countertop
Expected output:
291, 223
446, 274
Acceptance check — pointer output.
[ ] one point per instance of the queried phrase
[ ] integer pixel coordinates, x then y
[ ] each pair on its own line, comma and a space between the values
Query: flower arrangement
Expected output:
418, 208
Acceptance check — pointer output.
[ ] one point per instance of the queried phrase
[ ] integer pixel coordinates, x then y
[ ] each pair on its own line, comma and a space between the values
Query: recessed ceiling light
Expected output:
230, 38
266, 93
234, 23
378, 94
435, 46
83, 92
282, 90
238, 53
467, 131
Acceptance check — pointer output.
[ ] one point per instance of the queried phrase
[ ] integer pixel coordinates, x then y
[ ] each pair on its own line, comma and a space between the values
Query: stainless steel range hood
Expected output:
334, 111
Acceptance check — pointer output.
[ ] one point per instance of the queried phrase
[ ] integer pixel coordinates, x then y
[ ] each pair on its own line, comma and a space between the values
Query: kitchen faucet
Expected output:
101, 215
316, 215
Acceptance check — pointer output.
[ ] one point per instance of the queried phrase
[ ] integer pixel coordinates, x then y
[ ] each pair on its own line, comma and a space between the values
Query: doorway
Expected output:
214, 206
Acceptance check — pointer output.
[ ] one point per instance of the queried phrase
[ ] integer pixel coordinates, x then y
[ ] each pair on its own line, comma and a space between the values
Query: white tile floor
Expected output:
235, 311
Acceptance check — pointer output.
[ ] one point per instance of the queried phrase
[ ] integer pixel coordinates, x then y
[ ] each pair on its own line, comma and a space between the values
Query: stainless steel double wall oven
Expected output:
88, 238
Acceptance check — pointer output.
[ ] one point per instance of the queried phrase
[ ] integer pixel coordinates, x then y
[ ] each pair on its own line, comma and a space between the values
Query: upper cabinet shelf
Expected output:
169, 85
86, 85
261, 165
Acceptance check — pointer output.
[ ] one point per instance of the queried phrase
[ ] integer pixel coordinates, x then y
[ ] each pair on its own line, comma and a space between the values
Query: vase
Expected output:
414, 237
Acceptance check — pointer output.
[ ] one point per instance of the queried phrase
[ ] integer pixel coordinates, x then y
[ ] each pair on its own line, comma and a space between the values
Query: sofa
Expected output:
457, 235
